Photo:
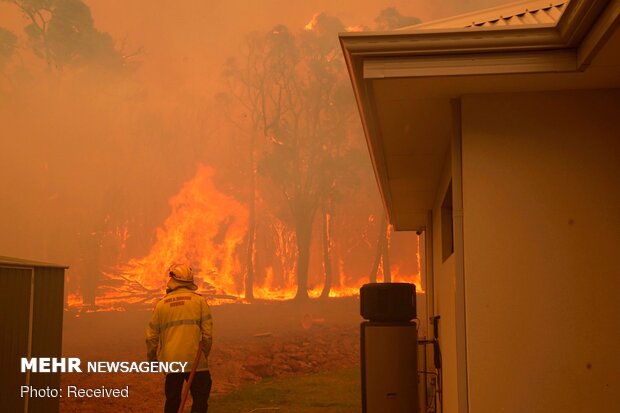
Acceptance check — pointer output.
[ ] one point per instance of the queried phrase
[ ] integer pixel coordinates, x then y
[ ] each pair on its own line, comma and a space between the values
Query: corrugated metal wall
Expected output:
47, 331
46, 340
14, 321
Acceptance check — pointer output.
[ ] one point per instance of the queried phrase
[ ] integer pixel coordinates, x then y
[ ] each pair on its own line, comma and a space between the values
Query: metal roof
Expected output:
550, 13
18, 262
531, 12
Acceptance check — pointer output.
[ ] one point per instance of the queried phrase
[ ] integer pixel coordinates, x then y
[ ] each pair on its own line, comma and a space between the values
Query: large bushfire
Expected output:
208, 228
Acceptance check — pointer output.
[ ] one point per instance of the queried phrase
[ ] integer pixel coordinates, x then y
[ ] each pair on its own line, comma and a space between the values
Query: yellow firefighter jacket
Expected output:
180, 320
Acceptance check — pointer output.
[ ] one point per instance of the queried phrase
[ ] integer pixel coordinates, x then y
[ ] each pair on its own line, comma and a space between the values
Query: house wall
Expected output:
541, 179
444, 298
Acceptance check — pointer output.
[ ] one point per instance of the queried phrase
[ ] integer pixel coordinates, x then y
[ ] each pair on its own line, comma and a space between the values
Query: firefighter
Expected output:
180, 321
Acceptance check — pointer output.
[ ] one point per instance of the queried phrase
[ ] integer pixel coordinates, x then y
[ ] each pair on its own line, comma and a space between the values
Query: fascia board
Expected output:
575, 23
564, 60
472, 40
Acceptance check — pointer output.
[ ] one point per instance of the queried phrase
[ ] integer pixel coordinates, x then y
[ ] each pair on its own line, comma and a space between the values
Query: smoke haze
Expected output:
93, 150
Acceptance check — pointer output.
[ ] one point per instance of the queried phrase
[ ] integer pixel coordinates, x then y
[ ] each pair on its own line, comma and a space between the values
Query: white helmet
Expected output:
181, 272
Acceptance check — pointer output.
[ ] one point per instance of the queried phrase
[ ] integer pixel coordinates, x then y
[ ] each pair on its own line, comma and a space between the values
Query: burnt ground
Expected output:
251, 342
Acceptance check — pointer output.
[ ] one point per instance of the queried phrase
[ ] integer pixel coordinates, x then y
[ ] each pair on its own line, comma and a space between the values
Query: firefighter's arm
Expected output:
206, 327
152, 337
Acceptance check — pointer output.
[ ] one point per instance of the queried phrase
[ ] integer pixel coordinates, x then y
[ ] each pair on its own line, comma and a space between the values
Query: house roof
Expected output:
18, 262
530, 12
405, 83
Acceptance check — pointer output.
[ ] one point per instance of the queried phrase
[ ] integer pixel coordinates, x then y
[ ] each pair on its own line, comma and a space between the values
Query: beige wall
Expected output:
444, 300
541, 192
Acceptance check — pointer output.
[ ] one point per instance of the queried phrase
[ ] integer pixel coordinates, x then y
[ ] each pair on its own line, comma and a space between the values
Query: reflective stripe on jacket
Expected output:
180, 320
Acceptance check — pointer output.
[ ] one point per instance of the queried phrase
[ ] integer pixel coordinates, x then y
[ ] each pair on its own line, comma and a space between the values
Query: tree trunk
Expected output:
251, 237
92, 260
379, 254
303, 232
327, 256
251, 251
387, 273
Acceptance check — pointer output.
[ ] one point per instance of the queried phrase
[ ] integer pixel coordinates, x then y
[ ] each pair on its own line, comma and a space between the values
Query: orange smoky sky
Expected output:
90, 162
185, 43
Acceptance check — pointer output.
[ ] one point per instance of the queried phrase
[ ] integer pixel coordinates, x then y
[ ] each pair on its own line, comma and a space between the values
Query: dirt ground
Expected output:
251, 342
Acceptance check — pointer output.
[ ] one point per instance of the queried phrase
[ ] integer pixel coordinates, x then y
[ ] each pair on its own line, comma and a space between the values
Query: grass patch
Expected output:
335, 392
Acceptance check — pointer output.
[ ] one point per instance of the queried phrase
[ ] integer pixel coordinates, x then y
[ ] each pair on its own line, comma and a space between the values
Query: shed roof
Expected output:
19, 262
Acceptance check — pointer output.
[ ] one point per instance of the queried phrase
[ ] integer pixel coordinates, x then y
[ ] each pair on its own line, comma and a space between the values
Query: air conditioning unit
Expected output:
388, 302
389, 349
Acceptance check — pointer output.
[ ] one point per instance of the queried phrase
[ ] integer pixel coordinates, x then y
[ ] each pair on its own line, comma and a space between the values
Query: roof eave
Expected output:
375, 150
579, 31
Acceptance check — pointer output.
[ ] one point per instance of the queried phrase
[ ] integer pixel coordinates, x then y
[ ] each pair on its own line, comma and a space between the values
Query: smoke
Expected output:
99, 131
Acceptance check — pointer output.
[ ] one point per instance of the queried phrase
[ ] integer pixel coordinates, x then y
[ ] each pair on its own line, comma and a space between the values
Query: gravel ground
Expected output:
251, 342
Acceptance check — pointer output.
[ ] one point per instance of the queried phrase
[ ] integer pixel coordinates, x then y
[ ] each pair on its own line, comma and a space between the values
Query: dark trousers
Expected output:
200, 390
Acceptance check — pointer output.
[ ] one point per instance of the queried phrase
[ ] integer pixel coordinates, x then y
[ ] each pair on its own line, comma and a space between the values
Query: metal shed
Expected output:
31, 313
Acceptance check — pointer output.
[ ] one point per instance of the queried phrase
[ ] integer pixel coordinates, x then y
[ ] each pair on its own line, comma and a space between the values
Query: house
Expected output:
496, 135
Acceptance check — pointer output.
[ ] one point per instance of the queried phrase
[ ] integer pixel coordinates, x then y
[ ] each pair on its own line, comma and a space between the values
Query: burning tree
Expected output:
205, 227
248, 84
295, 89
382, 256
249, 220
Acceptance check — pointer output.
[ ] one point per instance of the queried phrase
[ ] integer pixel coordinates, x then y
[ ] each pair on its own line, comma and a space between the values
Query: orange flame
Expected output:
208, 229
311, 25
205, 228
